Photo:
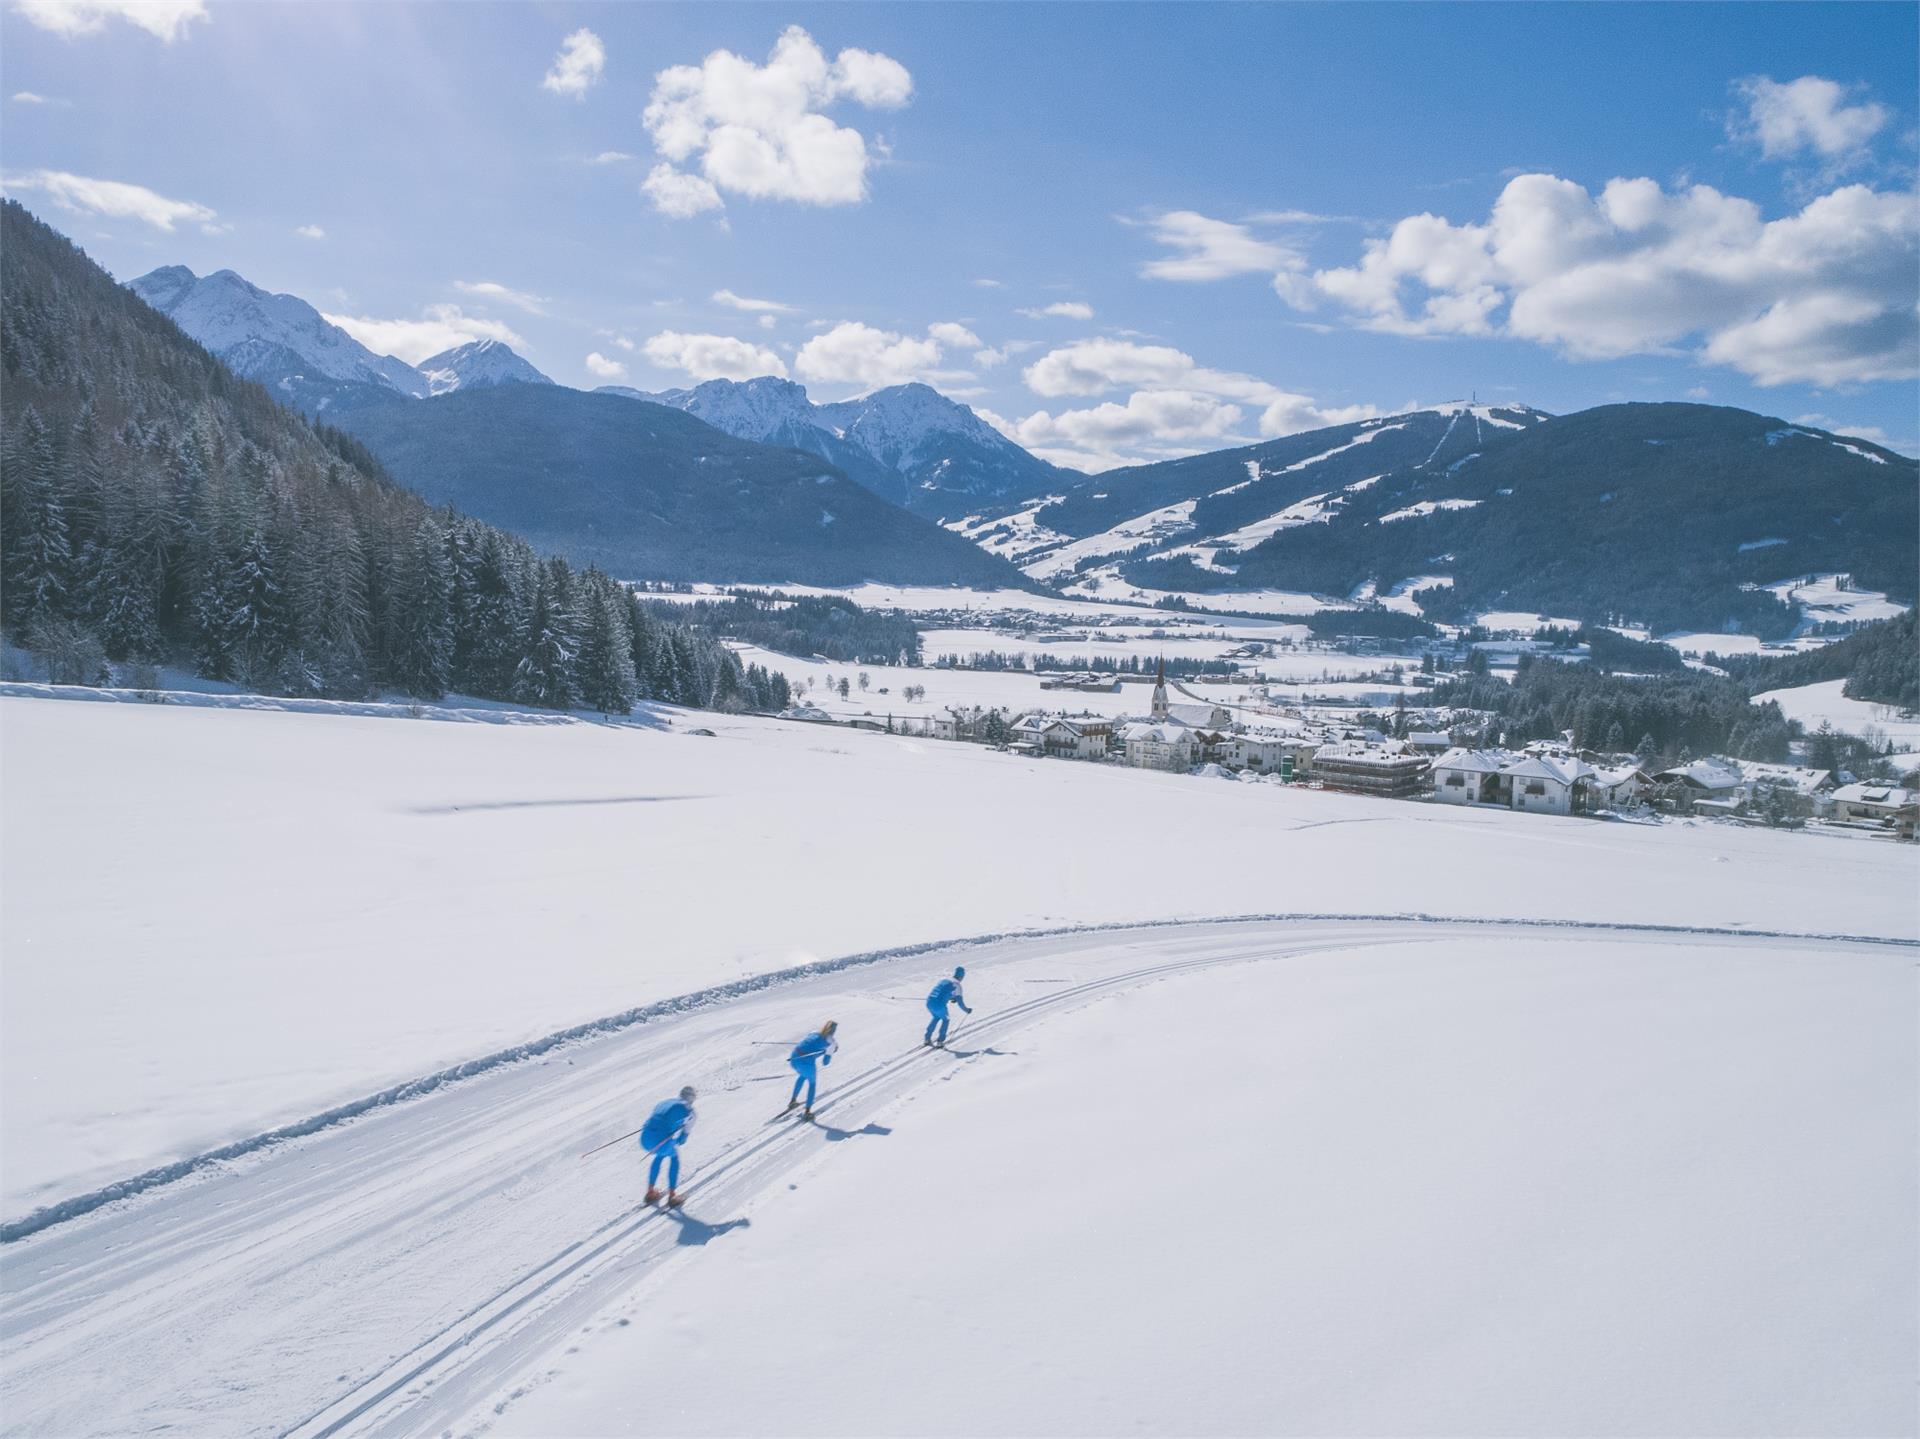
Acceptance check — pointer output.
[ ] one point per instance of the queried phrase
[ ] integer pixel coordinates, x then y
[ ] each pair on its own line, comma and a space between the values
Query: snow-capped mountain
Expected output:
476, 365
279, 340
1214, 505
1674, 516
907, 443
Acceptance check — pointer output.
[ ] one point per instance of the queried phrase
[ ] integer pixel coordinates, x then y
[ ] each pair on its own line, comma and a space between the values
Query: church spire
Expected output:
1160, 690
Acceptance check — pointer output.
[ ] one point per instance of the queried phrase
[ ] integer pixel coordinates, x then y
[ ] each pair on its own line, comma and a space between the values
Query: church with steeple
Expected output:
1160, 691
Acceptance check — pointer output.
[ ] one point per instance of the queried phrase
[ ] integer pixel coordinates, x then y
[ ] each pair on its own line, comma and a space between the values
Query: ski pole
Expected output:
610, 1143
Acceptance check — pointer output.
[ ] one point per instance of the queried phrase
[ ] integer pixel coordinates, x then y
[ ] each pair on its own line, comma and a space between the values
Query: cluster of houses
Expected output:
1544, 778
1550, 779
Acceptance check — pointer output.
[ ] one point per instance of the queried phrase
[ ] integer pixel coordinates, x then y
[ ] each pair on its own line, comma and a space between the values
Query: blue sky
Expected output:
1259, 218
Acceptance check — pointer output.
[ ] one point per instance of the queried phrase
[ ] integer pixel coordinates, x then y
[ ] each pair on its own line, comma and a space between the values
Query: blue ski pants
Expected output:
806, 1074
670, 1154
939, 1021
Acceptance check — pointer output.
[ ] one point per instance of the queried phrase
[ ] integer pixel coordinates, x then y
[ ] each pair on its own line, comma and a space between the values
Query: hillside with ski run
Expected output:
1670, 517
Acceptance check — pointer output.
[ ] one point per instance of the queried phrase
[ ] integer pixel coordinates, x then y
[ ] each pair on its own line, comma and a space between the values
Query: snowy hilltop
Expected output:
477, 365
907, 443
279, 340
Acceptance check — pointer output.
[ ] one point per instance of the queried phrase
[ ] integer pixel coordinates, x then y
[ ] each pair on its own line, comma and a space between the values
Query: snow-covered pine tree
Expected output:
35, 549
544, 675
604, 665
420, 660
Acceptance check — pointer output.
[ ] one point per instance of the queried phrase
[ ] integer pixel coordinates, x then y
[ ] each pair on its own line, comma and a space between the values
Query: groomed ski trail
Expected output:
387, 1274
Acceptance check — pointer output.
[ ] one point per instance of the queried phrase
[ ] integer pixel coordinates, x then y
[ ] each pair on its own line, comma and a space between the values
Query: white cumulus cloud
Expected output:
604, 368
949, 333
1060, 310
749, 304
713, 357
310, 232
677, 194
440, 327
855, 354
1177, 406
167, 19
1807, 114
1208, 249
761, 131
1825, 296
493, 290
113, 199
578, 66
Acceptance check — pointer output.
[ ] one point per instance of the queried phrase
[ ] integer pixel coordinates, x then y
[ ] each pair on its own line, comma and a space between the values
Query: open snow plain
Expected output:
1668, 1176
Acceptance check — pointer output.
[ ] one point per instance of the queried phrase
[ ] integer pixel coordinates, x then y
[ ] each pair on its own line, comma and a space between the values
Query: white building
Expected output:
1543, 784
1165, 746
1621, 786
1471, 776
1195, 716
1267, 754
1065, 736
1709, 778
1872, 801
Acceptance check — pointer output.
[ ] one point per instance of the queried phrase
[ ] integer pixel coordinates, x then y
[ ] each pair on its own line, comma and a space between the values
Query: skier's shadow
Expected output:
988, 1052
698, 1231
836, 1135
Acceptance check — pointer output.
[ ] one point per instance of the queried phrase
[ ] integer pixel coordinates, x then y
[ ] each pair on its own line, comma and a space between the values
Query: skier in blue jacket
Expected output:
816, 1048
946, 992
661, 1136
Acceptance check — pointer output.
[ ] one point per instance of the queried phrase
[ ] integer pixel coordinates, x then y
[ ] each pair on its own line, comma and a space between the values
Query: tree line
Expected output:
1665, 717
158, 509
825, 626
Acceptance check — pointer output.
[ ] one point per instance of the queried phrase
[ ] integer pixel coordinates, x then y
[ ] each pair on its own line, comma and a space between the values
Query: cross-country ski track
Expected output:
392, 1273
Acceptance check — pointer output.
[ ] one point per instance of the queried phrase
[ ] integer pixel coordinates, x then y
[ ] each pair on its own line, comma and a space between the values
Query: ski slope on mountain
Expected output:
1376, 1175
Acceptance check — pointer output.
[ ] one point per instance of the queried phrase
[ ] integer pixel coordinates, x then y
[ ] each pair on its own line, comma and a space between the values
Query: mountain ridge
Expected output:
646, 490
1678, 516
907, 443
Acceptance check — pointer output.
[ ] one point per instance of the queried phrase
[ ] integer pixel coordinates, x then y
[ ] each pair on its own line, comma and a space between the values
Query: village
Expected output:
1429, 758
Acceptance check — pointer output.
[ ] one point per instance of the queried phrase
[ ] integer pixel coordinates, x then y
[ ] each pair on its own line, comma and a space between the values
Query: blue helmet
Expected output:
959, 971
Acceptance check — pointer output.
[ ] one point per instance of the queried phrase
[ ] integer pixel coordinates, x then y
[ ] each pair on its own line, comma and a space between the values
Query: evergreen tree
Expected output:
544, 675
605, 664
35, 548
421, 658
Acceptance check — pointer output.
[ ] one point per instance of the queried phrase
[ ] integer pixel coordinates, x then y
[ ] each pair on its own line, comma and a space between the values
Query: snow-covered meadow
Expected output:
1314, 1196
1823, 703
221, 920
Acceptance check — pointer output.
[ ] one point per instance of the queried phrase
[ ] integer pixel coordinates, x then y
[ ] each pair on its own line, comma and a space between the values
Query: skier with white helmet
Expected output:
817, 1048
661, 1136
946, 992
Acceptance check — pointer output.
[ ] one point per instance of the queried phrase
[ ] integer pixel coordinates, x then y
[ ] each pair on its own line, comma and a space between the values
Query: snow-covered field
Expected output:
1311, 1177
1823, 703
1827, 598
218, 921
1359, 1175
1302, 1197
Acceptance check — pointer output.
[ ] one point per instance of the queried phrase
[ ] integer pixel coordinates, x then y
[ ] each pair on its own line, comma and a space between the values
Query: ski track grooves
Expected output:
500, 1307
399, 1273
72, 1208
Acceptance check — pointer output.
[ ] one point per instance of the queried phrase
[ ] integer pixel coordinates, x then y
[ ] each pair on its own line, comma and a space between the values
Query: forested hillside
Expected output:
1670, 515
1879, 662
648, 491
157, 508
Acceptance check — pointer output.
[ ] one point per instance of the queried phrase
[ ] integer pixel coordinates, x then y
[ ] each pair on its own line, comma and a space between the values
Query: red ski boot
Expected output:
653, 1195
